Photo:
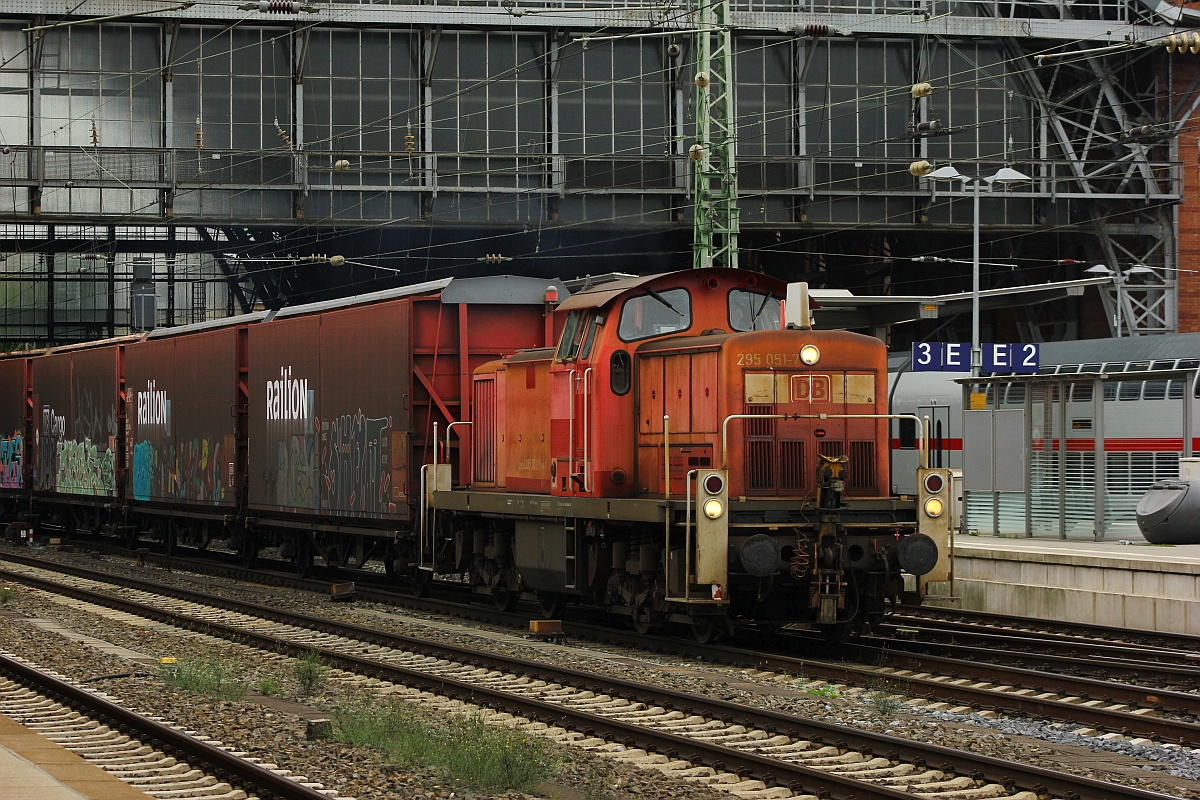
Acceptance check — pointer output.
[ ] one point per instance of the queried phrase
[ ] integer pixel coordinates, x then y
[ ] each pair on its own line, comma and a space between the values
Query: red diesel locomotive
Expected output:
668, 447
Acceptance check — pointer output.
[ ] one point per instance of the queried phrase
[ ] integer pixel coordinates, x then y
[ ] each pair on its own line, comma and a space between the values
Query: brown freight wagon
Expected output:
15, 432
183, 394
78, 423
343, 401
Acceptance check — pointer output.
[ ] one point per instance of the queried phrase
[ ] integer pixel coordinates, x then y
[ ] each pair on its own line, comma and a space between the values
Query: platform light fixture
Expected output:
1118, 277
1005, 175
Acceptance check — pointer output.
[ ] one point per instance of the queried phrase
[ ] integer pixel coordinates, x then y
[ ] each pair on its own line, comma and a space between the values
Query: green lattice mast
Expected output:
715, 236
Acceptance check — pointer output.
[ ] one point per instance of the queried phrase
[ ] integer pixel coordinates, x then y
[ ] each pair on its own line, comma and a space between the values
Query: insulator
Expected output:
920, 168
929, 127
278, 7
95, 136
1183, 43
696, 152
283, 137
337, 261
410, 143
341, 165
816, 31
922, 90
702, 80
199, 139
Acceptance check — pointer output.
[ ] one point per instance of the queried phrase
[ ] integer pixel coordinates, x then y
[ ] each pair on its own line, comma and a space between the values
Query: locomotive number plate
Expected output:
768, 359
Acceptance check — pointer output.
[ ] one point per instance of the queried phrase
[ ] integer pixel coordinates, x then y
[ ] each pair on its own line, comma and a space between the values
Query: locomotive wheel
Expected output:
551, 604
642, 620
504, 599
704, 632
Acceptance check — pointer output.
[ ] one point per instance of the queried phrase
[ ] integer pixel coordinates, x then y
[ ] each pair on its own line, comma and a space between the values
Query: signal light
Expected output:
934, 483
714, 484
713, 508
934, 507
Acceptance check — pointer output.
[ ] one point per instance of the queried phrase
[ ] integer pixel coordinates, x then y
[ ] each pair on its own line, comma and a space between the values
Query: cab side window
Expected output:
620, 372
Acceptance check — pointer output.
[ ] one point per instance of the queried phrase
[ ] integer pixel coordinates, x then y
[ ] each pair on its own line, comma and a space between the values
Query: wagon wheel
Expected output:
391, 562
246, 546
420, 580
302, 555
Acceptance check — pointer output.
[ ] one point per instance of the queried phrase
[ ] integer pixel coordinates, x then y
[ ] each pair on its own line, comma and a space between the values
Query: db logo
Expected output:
718, 592
810, 388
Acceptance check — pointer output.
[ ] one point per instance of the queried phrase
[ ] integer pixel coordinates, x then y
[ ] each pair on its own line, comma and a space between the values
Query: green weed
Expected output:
310, 673
491, 758
823, 691
204, 675
6, 594
267, 685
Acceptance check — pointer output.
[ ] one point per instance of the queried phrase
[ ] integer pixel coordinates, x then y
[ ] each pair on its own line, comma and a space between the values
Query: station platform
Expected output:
35, 767
1133, 585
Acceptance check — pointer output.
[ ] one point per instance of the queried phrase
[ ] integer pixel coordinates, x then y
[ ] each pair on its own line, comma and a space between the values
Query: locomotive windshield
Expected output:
753, 311
655, 313
577, 336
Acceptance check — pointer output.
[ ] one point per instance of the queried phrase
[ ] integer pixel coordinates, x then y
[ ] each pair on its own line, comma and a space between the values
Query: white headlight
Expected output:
809, 354
713, 508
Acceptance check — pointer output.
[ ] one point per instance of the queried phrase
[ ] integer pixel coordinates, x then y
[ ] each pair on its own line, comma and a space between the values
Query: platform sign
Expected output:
1021, 359
956, 357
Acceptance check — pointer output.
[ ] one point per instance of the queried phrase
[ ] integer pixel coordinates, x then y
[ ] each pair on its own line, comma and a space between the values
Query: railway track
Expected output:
968, 683
154, 757
689, 734
950, 618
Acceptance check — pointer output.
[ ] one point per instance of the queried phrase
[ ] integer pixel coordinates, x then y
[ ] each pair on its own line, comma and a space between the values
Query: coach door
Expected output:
939, 433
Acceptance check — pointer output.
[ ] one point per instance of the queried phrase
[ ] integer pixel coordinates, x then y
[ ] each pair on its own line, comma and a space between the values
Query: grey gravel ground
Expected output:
274, 731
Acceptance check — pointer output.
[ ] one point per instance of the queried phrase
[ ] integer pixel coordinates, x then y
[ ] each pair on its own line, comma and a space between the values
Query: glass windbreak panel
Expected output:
983, 103
1137, 366
1188, 363
1016, 394
1130, 390
1170, 364
765, 97
856, 103
1091, 367
654, 314
614, 114
753, 311
1081, 392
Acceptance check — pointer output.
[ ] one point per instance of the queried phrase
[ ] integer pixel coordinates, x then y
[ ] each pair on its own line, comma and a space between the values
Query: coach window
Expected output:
1081, 392
620, 372
907, 429
1154, 390
753, 311
654, 314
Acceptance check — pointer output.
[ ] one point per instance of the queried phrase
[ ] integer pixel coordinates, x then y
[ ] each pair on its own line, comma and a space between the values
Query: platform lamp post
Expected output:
1005, 175
1118, 278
